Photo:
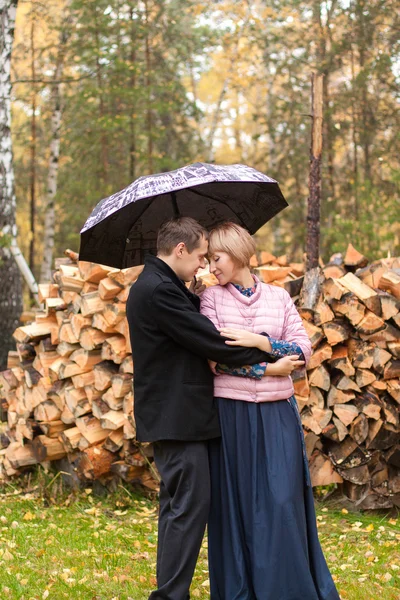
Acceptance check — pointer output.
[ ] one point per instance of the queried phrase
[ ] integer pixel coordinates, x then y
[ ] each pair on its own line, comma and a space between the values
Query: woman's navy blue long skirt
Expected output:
262, 534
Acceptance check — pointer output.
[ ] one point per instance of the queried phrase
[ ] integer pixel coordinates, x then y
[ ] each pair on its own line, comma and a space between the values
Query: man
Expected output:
173, 384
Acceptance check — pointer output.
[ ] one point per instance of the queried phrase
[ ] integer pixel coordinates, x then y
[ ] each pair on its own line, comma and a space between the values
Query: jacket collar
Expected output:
244, 299
153, 263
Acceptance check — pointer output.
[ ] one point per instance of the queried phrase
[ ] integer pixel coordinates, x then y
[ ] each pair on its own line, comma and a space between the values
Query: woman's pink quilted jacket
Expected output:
271, 310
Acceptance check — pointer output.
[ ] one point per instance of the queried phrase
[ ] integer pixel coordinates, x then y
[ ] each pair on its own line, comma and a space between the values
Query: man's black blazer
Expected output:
171, 342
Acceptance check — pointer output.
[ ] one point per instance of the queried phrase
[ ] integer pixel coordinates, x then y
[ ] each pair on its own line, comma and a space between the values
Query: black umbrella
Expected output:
122, 228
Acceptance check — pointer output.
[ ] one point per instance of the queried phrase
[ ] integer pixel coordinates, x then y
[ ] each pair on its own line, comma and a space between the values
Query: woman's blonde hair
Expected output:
234, 240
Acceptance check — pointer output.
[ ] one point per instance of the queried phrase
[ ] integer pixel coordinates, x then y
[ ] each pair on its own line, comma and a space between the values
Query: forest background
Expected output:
104, 91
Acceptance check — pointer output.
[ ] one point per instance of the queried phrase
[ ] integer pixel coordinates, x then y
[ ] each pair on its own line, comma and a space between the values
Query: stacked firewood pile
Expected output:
68, 386
350, 395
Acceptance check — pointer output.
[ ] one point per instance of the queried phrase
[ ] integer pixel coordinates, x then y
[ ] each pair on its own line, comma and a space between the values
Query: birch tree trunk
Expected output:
10, 278
52, 178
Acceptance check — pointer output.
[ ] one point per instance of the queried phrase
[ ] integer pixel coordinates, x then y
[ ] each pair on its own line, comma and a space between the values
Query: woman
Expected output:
263, 541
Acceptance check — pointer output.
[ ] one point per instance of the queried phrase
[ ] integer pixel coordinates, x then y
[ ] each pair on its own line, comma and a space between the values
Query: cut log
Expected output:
361, 353
66, 333
392, 370
45, 448
92, 272
339, 360
314, 333
86, 358
125, 277
346, 413
91, 338
103, 373
320, 378
370, 324
122, 384
336, 396
390, 281
381, 357
91, 304
99, 407
299, 378
364, 377
333, 271
114, 441
128, 473
394, 348
94, 462
370, 404
47, 411
114, 348
322, 313
91, 429
77, 401
393, 387
113, 419
333, 290
111, 400
359, 429
350, 307
336, 332
108, 288
322, 471
356, 286
353, 258
320, 355
270, 273
53, 428
20, 456
346, 384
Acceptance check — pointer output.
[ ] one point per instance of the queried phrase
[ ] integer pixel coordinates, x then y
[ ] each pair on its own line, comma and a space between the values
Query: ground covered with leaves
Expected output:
89, 548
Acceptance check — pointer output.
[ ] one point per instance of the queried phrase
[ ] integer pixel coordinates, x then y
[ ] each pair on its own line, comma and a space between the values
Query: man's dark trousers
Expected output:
184, 507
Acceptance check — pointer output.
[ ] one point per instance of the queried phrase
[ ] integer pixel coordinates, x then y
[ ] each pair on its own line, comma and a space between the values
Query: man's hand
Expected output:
241, 337
197, 287
284, 366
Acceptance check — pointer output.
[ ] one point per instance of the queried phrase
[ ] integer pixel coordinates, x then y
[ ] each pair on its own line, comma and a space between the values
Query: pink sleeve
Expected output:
207, 306
293, 329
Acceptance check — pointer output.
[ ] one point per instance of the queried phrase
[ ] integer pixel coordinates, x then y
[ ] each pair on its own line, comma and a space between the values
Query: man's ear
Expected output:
179, 249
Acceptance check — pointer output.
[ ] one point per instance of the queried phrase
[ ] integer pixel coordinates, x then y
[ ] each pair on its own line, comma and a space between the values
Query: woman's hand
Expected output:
212, 366
241, 337
284, 366
197, 286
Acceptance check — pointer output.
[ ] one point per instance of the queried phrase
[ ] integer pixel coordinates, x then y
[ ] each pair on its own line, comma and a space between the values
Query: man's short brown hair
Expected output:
175, 231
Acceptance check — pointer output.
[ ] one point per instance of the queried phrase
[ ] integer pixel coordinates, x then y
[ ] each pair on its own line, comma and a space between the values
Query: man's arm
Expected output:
176, 318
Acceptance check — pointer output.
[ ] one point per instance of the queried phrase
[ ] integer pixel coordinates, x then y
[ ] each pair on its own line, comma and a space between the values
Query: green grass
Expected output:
92, 549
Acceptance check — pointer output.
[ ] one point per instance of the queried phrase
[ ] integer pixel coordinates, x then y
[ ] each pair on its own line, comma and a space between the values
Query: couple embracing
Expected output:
213, 393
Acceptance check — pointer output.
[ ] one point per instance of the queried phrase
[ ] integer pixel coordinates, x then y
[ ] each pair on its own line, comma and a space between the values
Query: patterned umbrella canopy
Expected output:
122, 228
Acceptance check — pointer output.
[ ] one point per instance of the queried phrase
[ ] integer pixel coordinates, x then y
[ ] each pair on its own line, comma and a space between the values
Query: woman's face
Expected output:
222, 266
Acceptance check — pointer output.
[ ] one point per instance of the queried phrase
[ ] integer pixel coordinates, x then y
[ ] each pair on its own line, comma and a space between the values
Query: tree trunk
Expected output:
33, 153
10, 288
52, 178
132, 118
314, 200
149, 116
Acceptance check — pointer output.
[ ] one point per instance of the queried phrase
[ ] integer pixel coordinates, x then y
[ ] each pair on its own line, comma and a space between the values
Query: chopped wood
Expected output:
355, 285
322, 313
91, 304
113, 419
359, 429
364, 377
108, 288
346, 413
320, 378
322, 353
370, 324
322, 471
46, 448
353, 258
336, 332
270, 273
392, 370
336, 396
350, 307
314, 333
93, 272
390, 281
